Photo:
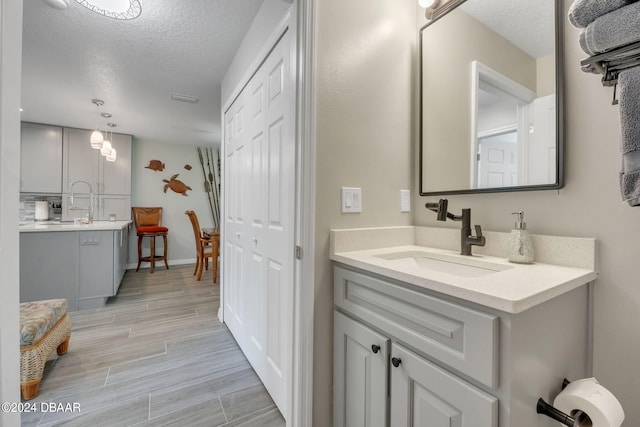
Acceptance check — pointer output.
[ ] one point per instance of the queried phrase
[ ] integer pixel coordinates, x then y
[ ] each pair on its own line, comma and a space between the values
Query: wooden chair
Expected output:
148, 222
204, 249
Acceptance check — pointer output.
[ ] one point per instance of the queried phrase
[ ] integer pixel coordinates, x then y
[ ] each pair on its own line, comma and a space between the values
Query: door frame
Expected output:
300, 21
10, 83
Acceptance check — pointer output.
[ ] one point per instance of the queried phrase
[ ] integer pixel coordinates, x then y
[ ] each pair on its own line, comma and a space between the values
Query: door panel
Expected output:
425, 395
360, 375
259, 198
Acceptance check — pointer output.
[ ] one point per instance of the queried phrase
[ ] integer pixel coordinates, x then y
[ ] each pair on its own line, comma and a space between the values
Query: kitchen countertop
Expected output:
514, 289
70, 226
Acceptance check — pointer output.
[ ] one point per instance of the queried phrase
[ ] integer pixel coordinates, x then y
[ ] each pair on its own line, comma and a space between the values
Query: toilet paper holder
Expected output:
549, 410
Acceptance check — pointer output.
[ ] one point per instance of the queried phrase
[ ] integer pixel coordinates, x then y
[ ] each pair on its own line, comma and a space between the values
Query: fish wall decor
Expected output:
155, 165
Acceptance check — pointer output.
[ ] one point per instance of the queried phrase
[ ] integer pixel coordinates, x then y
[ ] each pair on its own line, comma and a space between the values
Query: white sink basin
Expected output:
457, 265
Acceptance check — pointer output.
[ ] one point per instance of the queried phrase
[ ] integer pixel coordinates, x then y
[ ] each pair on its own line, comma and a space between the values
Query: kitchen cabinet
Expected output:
84, 264
120, 256
110, 181
407, 356
40, 158
95, 267
103, 206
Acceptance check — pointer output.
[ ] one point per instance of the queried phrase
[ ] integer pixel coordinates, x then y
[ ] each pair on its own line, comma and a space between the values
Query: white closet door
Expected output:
259, 221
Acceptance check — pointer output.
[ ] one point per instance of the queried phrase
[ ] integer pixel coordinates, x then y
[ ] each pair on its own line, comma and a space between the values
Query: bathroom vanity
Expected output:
424, 336
83, 263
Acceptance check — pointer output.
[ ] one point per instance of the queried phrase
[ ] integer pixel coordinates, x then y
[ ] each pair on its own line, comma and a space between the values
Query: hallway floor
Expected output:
155, 355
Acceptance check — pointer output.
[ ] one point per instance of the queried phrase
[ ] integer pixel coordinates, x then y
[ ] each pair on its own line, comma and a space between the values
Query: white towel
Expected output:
617, 28
584, 12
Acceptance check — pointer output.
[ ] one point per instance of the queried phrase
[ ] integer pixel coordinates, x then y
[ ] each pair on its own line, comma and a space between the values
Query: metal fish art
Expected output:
176, 185
155, 165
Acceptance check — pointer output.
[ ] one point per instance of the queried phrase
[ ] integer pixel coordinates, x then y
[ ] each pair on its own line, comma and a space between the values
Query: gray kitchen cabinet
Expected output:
104, 206
449, 361
110, 181
95, 267
85, 267
40, 158
120, 257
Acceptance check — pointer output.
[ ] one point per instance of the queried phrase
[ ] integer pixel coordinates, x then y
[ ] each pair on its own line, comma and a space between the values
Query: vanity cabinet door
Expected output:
424, 395
360, 374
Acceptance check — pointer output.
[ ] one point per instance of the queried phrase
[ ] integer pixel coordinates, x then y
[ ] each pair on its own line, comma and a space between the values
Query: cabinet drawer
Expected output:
460, 337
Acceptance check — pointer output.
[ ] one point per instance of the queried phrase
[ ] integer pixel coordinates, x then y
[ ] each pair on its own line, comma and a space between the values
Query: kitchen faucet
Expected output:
90, 208
467, 239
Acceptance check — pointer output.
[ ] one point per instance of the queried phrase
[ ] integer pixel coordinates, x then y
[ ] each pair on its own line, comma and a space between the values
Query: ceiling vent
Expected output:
184, 98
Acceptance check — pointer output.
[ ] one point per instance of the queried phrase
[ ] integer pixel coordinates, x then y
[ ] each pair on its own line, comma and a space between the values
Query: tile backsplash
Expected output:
28, 206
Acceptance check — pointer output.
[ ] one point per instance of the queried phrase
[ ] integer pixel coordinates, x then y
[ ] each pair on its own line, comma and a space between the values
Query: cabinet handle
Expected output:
375, 348
396, 361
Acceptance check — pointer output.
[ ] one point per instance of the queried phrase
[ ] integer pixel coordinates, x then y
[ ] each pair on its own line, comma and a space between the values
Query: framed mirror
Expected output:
491, 97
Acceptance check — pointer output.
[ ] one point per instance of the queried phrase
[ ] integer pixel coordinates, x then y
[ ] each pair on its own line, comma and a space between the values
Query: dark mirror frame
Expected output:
440, 13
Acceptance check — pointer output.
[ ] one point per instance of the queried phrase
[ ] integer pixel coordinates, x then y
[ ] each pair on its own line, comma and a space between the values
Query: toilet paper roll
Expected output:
42, 211
588, 396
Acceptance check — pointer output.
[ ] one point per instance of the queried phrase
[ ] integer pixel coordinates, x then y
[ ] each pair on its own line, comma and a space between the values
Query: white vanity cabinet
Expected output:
40, 158
110, 181
407, 356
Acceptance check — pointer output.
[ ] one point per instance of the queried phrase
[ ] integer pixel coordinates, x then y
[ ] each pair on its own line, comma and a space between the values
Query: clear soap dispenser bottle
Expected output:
520, 242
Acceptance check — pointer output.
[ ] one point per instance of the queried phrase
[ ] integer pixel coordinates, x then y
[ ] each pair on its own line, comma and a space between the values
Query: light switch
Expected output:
351, 199
405, 201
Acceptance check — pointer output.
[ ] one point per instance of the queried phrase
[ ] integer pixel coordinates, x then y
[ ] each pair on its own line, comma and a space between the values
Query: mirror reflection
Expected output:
489, 98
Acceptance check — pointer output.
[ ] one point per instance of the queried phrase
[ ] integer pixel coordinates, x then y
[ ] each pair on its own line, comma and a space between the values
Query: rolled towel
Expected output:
612, 30
629, 102
584, 12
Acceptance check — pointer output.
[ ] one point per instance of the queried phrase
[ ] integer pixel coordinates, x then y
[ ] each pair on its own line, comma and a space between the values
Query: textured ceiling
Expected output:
528, 24
182, 47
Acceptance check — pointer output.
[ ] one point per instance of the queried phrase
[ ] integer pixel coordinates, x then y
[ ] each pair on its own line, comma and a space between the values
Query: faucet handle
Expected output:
478, 230
443, 208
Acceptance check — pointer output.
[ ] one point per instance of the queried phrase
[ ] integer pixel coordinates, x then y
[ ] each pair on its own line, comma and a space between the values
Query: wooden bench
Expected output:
44, 326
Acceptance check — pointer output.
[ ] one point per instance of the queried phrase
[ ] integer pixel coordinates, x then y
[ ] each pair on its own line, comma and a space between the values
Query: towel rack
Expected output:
612, 62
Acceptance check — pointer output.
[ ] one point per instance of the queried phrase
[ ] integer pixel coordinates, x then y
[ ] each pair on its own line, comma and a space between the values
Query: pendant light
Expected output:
96, 135
111, 157
106, 144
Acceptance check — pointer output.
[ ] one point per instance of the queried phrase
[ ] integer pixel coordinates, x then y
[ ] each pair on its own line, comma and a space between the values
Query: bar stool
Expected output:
148, 224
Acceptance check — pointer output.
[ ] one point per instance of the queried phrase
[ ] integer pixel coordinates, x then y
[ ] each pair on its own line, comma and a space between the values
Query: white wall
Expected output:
147, 189
365, 79
589, 205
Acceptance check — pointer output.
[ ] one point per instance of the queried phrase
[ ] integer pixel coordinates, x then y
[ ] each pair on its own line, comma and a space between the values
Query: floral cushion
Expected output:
37, 317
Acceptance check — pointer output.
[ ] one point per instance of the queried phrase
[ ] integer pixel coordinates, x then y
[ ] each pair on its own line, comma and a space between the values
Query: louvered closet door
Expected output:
259, 249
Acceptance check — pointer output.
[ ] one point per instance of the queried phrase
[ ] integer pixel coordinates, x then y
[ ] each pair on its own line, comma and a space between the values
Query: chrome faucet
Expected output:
467, 239
75, 208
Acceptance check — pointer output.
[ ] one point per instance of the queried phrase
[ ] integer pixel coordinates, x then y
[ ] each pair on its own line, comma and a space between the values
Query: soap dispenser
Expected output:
520, 242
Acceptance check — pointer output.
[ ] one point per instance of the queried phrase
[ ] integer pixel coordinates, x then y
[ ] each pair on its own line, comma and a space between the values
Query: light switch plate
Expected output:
351, 199
405, 201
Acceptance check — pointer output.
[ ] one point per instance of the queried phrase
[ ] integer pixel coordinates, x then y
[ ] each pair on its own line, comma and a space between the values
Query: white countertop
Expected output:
513, 290
70, 226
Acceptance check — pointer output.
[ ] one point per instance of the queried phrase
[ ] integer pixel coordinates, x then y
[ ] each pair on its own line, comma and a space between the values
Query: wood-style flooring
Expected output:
155, 355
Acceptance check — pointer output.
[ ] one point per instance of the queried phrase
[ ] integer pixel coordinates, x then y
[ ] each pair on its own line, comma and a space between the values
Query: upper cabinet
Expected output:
83, 163
41, 159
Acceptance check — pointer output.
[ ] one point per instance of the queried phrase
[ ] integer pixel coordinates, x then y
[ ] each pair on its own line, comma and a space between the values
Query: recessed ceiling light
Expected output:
184, 98
117, 9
